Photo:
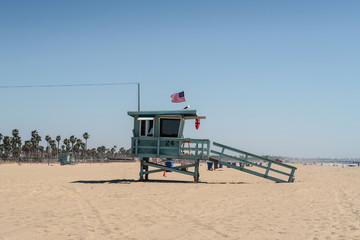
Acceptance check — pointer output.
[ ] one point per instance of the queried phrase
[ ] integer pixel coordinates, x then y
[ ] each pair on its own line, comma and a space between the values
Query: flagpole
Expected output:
138, 96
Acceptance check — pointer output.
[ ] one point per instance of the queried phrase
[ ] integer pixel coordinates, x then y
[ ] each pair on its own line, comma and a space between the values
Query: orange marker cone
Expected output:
164, 175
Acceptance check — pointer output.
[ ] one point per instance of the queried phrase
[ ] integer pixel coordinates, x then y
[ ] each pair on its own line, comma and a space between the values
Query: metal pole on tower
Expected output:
138, 96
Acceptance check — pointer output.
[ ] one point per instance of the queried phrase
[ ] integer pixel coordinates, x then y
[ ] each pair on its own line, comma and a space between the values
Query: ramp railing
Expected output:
254, 164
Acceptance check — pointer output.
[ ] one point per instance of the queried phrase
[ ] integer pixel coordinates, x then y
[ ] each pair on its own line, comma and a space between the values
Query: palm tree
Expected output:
93, 152
128, 152
53, 148
34, 134
113, 150
35, 139
1, 146
86, 136
72, 140
47, 139
7, 146
83, 147
58, 139
122, 150
77, 146
67, 144
38, 140
16, 144
78, 141
41, 149
15, 133
101, 150
1, 150
27, 148
16, 147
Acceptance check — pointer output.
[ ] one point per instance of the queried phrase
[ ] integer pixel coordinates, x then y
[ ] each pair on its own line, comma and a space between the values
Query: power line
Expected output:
69, 85
79, 85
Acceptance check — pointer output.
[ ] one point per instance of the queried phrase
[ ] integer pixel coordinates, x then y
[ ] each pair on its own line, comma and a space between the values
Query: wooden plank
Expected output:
164, 139
221, 154
230, 165
154, 171
177, 167
193, 149
181, 166
268, 169
190, 157
263, 175
281, 172
252, 172
155, 147
238, 159
164, 168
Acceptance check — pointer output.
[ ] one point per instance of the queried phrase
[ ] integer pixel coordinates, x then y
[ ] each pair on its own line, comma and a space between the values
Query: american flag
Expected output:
178, 97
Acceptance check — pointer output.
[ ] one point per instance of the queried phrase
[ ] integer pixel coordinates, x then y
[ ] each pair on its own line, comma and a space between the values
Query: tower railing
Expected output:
176, 148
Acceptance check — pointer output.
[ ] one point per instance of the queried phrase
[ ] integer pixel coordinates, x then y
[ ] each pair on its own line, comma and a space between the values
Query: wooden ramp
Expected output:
253, 164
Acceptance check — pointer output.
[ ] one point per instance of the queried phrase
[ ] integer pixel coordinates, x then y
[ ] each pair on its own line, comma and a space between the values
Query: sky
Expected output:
272, 77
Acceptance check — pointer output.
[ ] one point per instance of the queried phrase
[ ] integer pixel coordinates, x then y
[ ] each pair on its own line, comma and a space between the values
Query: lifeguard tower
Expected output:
66, 159
159, 135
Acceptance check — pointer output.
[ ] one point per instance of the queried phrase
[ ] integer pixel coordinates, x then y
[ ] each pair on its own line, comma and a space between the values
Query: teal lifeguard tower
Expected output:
66, 159
159, 135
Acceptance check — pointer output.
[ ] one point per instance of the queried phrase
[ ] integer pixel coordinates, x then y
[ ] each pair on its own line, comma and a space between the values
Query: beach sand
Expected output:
105, 201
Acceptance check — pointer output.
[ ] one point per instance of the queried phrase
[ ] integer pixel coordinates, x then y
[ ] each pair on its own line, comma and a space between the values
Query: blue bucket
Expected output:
169, 164
220, 165
234, 163
210, 165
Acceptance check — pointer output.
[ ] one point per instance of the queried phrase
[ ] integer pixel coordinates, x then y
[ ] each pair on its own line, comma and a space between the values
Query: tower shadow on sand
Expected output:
128, 181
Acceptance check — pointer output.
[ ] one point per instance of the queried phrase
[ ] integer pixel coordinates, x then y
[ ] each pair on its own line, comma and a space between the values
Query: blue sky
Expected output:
272, 77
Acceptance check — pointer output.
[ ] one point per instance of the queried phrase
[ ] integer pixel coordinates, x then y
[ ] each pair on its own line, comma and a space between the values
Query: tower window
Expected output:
146, 128
169, 127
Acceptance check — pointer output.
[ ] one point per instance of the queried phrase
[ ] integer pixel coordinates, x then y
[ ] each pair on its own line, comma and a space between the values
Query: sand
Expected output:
105, 201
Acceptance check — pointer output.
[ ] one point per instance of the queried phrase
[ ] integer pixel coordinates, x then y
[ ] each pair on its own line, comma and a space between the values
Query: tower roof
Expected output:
182, 113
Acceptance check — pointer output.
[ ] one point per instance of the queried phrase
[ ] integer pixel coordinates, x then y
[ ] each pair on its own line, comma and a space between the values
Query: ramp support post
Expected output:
141, 174
291, 177
196, 172
268, 169
144, 168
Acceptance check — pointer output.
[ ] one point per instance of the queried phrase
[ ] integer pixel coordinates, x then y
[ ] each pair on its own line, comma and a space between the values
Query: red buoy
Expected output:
197, 123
